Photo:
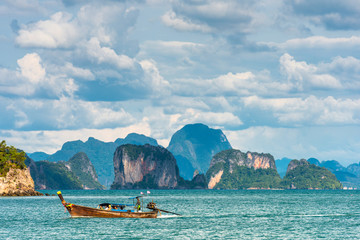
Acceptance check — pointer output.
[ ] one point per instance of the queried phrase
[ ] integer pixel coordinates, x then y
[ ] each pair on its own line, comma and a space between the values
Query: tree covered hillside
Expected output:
10, 157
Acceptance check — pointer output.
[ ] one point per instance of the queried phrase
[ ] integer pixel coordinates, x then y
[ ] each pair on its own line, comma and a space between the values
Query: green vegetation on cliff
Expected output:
243, 177
56, 176
232, 169
81, 166
77, 173
134, 151
10, 157
243, 170
310, 176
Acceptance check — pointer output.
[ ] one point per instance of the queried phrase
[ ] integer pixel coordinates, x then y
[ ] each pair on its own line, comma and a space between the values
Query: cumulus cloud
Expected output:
303, 75
211, 118
170, 19
321, 42
64, 113
309, 111
345, 68
331, 14
31, 68
154, 78
77, 114
231, 84
32, 79
58, 31
107, 55
90, 44
73, 71
214, 16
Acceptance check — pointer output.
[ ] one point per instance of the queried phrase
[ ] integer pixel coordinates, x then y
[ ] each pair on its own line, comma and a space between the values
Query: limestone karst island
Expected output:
197, 157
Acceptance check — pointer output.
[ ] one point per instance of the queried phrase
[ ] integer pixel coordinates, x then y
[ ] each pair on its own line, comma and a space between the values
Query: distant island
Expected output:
198, 157
233, 169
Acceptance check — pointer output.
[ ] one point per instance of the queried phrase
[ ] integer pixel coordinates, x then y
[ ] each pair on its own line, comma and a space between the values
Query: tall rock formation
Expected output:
18, 182
100, 153
144, 167
233, 169
193, 147
296, 163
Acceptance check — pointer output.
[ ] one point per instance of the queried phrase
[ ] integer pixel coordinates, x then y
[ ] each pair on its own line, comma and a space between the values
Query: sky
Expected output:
279, 76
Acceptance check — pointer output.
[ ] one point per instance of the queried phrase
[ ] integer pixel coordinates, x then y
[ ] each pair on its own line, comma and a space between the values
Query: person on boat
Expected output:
138, 204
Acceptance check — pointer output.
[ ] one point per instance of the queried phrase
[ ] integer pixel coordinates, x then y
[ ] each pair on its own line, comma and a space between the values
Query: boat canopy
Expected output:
136, 197
116, 205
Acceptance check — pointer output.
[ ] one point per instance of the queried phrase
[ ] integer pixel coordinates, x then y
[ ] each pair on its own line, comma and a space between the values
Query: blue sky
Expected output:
279, 76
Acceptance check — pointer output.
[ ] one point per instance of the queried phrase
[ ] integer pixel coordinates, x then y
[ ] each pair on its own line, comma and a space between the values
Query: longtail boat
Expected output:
108, 210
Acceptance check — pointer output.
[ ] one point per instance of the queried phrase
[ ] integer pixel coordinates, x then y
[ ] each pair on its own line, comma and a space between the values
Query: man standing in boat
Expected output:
138, 204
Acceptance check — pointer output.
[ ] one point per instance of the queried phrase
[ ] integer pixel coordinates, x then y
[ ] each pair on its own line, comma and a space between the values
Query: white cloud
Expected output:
303, 75
73, 71
231, 84
108, 55
343, 64
229, 17
155, 80
345, 68
20, 116
26, 79
32, 78
170, 19
58, 31
31, 68
211, 118
73, 113
309, 111
319, 42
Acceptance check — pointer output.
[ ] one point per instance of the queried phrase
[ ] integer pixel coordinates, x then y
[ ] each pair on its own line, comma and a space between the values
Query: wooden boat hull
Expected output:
82, 211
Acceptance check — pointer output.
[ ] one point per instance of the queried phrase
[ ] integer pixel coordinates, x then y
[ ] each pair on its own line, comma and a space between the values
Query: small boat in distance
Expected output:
108, 210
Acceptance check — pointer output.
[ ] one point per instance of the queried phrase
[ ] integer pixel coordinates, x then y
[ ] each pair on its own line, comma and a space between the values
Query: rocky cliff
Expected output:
15, 178
296, 163
193, 147
144, 166
100, 153
18, 182
233, 169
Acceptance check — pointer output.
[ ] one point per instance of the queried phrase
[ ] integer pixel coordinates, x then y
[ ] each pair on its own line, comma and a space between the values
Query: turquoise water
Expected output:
206, 214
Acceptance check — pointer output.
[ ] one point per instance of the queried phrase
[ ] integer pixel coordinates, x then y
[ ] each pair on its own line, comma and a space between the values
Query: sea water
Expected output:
205, 214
